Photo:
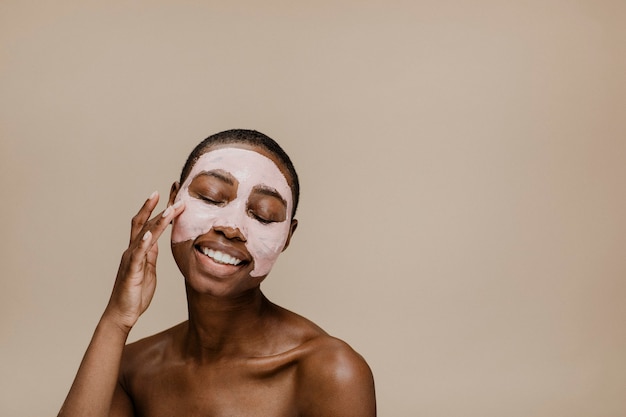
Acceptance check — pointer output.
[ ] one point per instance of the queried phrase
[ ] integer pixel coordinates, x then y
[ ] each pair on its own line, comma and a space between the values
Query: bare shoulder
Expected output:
321, 355
328, 360
334, 380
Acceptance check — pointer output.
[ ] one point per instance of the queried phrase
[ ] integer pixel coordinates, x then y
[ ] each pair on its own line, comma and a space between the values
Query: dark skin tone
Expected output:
238, 354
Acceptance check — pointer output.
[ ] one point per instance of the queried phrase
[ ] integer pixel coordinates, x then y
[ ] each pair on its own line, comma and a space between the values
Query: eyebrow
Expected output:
269, 191
219, 174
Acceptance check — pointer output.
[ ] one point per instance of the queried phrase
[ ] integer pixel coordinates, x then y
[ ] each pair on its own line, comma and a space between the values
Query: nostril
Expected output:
230, 232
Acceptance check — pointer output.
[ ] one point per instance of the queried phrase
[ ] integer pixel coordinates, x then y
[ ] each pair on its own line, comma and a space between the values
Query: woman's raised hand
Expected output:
136, 277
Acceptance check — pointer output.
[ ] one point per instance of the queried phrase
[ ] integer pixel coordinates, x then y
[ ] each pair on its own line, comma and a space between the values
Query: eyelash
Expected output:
208, 200
259, 219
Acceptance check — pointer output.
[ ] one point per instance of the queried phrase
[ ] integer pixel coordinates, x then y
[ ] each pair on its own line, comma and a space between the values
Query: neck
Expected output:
225, 327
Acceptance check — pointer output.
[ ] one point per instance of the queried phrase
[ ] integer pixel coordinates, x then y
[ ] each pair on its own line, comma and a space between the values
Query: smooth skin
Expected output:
238, 354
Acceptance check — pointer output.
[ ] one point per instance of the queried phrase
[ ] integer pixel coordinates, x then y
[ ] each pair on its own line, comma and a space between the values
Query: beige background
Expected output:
463, 167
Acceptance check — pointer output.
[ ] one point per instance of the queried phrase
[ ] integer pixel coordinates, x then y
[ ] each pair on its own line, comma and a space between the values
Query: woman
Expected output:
238, 354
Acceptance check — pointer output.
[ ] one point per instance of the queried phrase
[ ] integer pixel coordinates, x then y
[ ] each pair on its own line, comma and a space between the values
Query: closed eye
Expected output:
259, 218
209, 200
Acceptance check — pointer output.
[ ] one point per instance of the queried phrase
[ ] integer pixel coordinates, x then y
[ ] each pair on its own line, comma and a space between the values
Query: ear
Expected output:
292, 229
173, 193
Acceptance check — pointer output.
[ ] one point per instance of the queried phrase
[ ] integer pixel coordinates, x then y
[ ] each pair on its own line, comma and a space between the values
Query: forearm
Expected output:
92, 390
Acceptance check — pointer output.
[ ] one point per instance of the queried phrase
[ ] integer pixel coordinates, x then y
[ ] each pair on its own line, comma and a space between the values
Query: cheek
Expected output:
196, 220
265, 243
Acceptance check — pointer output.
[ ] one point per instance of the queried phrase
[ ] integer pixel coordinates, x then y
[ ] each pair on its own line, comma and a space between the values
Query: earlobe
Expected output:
173, 192
292, 229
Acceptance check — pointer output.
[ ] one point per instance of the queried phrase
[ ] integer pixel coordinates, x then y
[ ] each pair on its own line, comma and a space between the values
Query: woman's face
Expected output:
237, 215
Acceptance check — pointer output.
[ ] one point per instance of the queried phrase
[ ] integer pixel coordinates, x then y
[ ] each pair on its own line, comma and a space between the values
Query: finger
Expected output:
142, 216
152, 255
138, 254
158, 225
151, 260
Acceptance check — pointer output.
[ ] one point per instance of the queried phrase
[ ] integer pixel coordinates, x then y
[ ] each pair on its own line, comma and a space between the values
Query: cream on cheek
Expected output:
264, 242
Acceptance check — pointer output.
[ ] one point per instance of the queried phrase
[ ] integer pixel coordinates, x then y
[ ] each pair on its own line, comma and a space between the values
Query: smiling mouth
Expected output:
219, 257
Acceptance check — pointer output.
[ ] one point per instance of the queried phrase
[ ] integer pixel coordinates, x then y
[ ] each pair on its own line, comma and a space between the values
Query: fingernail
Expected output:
154, 194
146, 235
167, 211
177, 204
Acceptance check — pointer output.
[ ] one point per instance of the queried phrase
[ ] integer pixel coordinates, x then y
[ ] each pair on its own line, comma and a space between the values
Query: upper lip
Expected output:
223, 245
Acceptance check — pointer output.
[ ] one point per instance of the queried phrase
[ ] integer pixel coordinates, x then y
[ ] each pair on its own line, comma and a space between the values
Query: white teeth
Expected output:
221, 257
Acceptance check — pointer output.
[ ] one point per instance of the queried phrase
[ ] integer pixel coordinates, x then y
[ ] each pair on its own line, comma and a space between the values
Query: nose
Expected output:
230, 222
230, 232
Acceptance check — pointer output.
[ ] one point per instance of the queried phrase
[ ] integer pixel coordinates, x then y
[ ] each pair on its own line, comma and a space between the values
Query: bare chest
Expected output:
219, 390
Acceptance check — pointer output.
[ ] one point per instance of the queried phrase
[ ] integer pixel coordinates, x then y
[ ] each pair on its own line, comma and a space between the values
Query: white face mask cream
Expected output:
255, 178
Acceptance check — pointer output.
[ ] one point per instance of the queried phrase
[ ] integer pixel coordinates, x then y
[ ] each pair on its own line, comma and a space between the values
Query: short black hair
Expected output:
250, 137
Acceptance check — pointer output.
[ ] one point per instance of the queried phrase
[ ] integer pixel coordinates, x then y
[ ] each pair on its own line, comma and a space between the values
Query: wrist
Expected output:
113, 322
